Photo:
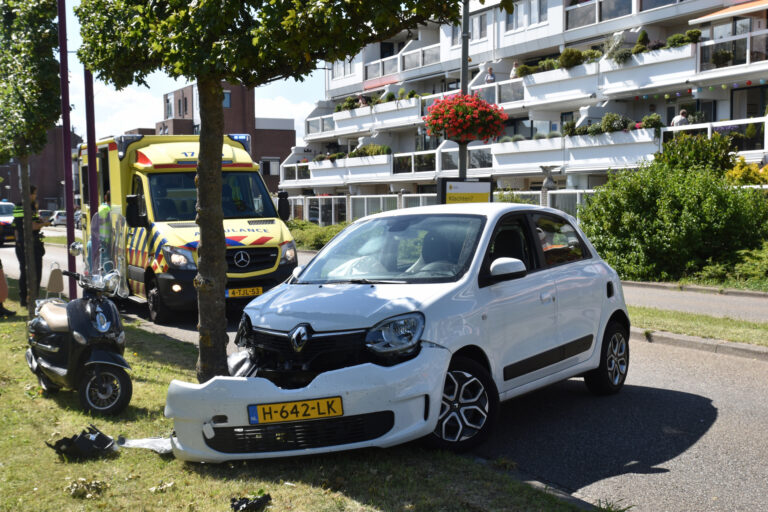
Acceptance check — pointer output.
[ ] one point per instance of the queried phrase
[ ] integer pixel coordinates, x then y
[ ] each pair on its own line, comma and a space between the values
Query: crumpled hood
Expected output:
339, 307
239, 233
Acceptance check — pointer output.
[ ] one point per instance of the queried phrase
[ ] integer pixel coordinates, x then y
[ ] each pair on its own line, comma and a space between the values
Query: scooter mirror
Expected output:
76, 249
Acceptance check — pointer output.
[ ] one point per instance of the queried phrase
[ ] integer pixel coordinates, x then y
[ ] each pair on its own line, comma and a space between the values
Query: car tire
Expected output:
158, 311
609, 377
105, 390
468, 408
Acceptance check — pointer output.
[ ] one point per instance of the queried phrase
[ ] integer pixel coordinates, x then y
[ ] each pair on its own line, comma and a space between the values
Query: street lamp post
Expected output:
464, 81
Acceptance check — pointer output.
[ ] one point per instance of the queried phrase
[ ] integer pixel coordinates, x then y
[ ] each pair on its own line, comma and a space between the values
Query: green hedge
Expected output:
309, 235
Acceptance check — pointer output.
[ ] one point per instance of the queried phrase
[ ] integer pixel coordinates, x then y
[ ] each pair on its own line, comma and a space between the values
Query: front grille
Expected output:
264, 222
259, 258
183, 224
300, 435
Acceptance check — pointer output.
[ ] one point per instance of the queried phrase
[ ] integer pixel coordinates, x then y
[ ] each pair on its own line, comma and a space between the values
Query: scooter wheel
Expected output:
47, 384
105, 389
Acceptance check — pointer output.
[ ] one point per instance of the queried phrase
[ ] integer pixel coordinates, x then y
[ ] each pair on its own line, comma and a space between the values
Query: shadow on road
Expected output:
568, 437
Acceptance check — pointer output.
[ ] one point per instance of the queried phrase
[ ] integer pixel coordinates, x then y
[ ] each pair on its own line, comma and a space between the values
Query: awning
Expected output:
734, 10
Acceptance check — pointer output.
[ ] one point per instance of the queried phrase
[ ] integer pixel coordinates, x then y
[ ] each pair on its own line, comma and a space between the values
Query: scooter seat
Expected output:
55, 315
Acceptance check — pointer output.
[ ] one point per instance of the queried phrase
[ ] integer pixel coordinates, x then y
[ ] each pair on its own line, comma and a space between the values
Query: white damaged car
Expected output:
411, 324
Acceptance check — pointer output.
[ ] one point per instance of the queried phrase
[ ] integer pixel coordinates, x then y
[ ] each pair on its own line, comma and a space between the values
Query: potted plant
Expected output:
464, 118
721, 58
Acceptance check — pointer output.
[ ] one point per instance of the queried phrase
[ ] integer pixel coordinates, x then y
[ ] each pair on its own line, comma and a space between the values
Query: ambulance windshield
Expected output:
243, 195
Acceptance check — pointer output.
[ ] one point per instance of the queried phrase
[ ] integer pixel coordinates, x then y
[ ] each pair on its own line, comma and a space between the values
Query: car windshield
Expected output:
400, 249
243, 195
6, 209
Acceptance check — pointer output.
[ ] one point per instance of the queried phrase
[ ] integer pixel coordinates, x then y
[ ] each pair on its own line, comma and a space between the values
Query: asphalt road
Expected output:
687, 433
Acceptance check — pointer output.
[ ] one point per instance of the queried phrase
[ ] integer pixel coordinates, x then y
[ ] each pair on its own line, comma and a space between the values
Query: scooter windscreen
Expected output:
104, 254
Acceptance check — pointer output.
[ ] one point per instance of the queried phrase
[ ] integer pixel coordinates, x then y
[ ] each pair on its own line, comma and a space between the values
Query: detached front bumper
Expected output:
382, 406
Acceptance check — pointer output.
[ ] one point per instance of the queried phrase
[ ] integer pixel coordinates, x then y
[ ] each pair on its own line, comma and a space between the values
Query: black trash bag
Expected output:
89, 444
250, 504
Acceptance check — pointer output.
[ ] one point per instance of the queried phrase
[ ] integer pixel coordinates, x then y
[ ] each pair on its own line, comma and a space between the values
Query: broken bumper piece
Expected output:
230, 418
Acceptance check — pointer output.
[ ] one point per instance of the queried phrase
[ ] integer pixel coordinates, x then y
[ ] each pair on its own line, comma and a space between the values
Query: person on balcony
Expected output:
680, 119
489, 76
513, 73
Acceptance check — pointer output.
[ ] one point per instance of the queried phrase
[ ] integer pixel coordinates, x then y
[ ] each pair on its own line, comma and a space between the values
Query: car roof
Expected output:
490, 210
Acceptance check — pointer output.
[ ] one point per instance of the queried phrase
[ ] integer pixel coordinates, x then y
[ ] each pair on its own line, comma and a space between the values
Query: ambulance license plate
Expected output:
245, 292
295, 411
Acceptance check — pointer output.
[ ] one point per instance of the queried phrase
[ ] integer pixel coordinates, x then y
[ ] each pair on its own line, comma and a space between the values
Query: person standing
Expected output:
37, 225
680, 119
489, 76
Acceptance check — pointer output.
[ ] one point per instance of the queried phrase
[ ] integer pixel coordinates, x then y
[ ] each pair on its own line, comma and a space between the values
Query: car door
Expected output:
520, 314
580, 283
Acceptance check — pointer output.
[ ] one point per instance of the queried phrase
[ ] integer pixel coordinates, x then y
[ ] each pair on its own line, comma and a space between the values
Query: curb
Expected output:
698, 289
731, 348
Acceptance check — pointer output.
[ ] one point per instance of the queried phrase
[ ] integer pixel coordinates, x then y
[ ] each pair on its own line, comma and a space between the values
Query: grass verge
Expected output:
60, 240
33, 478
699, 325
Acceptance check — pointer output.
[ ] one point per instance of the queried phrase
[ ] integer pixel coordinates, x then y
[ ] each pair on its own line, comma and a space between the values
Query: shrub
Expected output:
581, 130
311, 236
371, 150
525, 70
412, 94
506, 138
554, 134
692, 152
721, 57
656, 45
390, 96
653, 121
693, 35
613, 122
592, 55
747, 174
695, 117
319, 158
518, 137
548, 64
667, 220
401, 93
349, 103
639, 48
642, 38
569, 128
621, 55
570, 57
676, 40
539, 136
595, 129
750, 132
335, 156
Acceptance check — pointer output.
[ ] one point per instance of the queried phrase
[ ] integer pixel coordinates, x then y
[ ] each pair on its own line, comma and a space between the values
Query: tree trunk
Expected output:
29, 244
212, 264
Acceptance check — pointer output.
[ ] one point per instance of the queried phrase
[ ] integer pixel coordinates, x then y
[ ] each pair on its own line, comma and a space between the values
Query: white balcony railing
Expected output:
742, 49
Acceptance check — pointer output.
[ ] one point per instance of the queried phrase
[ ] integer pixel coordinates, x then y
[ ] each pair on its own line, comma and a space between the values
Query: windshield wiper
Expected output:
367, 281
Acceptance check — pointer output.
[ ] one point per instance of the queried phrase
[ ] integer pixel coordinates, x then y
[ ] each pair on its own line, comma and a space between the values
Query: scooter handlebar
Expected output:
71, 274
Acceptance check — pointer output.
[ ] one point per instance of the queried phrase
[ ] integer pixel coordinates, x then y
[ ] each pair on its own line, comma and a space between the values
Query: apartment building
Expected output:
271, 138
721, 79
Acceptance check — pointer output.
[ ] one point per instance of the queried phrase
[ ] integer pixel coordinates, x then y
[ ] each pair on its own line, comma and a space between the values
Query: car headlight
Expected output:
397, 335
289, 253
179, 258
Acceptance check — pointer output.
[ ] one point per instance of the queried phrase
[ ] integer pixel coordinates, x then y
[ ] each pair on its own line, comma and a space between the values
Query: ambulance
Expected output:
151, 181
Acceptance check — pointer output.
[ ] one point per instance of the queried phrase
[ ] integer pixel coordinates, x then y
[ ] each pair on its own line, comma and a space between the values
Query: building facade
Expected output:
271, 138
721, 79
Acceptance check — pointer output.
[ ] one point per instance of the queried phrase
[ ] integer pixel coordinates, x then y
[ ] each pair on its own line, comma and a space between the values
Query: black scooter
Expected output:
80, 344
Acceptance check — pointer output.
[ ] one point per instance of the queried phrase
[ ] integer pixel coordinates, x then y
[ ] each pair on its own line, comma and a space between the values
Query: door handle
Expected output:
546, 297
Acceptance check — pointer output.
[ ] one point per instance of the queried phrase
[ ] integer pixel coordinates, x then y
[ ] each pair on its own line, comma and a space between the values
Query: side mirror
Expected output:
503, 269
132, 216
297, 271
76, 248
283, 206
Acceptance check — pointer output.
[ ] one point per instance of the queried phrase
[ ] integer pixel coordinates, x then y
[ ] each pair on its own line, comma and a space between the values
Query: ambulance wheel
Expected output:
158, 311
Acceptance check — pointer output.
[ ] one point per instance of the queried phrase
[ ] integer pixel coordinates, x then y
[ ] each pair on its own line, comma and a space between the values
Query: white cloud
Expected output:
282, 107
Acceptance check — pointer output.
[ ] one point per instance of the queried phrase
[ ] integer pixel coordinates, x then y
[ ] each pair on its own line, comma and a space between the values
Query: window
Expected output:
185, 106
270, 167
455, 35
543, 9
168, 107
516, 19
479, 27
227, 103
511, 241
341, 68
559, 241
178, 108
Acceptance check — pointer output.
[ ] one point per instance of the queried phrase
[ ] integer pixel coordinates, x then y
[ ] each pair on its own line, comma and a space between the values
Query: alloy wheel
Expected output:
464, 408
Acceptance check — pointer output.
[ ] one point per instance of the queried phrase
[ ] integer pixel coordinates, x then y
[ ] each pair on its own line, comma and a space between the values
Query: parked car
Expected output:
59, 218
45, 215
411, 323
7, 233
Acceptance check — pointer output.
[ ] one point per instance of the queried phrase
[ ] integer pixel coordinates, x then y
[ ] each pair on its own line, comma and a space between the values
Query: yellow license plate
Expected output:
295, 411
245, 292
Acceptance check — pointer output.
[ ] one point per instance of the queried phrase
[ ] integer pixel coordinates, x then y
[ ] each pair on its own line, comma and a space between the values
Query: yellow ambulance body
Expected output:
153, 176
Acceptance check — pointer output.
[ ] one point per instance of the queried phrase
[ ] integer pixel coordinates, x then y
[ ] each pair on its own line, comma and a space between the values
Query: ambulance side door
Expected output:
137, 246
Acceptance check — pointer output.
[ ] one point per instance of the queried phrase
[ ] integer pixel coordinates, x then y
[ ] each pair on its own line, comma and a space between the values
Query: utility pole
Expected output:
464, 79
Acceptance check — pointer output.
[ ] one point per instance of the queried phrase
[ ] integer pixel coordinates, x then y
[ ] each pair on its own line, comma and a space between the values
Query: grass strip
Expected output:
703, 326
61, 240
408, 478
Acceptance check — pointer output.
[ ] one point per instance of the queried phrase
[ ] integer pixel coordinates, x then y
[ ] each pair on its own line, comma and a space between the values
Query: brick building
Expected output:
271, 139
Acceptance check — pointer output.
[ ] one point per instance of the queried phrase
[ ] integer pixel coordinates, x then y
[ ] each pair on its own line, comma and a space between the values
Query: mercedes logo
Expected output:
242, 259
299, 337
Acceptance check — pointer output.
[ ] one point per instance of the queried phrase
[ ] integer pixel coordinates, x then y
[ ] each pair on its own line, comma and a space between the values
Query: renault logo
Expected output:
299, 337
242, 259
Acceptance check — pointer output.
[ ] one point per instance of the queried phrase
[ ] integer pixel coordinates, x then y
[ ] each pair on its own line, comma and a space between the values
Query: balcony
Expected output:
749, 137
406, 61
363, 119
669, 67
743, 49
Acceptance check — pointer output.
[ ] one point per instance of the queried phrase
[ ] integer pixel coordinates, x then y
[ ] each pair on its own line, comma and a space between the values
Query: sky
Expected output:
140, 107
